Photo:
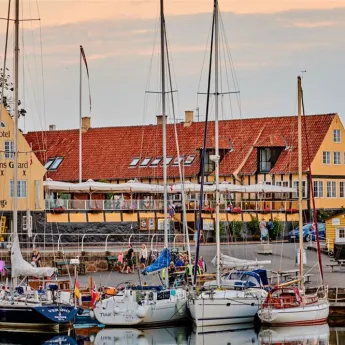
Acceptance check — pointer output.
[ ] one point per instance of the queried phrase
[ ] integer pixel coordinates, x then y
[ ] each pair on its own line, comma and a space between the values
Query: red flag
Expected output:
87, 71
94, 296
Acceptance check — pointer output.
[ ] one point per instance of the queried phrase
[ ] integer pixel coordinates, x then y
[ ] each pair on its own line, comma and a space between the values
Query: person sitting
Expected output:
36, 258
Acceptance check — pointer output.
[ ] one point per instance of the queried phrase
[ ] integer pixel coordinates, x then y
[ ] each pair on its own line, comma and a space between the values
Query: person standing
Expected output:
270, 229
143, 255
263, 230
36, 258
129, 260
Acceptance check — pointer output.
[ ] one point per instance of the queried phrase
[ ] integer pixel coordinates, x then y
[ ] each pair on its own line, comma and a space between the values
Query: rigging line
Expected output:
312, 189
203, 62
44, 135
233, 71
5, 59
202, 158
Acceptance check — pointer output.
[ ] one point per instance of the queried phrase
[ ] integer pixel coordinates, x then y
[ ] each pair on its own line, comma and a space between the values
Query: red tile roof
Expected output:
107, 152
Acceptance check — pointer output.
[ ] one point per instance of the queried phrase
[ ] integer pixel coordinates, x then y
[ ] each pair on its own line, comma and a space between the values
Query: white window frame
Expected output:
304, 189
9, 149
22, 188
328, 155
177, 160
49, 162
336, 136
318, 189
331, 189
339, 238
341, 189
282, 184
55, 165
134, 162
145, 162
189, 160
338, 162
156, 162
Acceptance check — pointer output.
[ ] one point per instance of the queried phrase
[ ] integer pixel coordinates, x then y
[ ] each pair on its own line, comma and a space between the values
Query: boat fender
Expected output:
92, 338
141, 312
92, 314
117, 310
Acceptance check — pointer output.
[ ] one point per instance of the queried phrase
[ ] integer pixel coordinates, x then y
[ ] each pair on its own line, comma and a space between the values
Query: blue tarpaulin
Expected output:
163, 261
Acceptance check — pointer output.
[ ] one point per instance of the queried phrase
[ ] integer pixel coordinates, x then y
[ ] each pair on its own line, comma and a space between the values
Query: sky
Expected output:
270, 43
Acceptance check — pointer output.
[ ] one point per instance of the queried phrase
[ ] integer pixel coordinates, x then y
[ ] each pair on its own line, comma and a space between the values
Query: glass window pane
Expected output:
56, 163
145, 162
134, 162
156, 161
189, 160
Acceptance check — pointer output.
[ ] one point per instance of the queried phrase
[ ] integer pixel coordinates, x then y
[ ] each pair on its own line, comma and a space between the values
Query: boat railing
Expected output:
246, 205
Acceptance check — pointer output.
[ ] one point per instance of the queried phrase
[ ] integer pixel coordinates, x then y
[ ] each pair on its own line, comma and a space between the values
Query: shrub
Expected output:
253, 225
278, 229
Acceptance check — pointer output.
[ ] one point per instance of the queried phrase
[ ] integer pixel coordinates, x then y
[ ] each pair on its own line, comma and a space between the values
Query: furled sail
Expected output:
162, 262
231, 262
20, 267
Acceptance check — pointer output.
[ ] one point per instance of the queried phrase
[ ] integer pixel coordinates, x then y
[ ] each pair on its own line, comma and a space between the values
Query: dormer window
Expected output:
189, 160
134, 162
145, 162
156, 162
268, 156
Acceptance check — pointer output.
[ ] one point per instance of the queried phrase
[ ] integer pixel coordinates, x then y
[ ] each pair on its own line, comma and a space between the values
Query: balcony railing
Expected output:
290, 206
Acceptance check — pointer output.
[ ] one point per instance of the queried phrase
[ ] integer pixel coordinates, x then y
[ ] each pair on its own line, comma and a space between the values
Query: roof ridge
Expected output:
179, 123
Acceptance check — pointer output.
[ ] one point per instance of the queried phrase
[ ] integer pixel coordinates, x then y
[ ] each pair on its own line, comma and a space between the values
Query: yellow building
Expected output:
251, 151
30, 171
335, 230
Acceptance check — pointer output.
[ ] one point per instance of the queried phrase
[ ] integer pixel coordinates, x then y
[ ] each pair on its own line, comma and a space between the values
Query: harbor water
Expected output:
184, 335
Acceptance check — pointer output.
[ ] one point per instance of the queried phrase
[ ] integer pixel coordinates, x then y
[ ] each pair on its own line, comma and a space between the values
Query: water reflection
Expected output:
225, 335
306, 335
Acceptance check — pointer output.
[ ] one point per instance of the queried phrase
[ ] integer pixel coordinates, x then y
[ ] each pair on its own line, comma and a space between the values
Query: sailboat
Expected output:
289, 305
21, 307
221, 306
149, 304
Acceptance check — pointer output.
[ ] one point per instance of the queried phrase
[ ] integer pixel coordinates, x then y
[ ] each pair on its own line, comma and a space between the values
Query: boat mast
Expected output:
300, 183
216, 51
80, 121
164, 124
15, 131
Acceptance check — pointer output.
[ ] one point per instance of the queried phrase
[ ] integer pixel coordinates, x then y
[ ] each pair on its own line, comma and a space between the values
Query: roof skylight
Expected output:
189, 160
177, 160
168, 160
134, 162
53, 163
145, 162
156, 161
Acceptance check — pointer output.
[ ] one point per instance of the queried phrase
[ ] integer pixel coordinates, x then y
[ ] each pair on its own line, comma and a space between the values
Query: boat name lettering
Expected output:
55, 310
105, 314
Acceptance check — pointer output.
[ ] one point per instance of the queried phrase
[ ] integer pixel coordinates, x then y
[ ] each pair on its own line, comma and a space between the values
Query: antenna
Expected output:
302, 73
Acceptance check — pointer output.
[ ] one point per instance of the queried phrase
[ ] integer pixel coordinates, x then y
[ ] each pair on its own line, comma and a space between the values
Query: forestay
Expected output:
20, 267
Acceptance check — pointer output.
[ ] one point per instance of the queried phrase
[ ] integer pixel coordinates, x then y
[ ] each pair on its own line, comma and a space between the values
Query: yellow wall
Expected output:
331, 230
318, 168
26, 171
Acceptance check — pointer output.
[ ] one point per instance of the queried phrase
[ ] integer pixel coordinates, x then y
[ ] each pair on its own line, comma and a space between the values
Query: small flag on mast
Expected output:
87, 71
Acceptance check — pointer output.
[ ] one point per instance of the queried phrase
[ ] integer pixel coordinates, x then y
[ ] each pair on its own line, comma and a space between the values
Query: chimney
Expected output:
160, 119
85, 123
52, 127
188, 118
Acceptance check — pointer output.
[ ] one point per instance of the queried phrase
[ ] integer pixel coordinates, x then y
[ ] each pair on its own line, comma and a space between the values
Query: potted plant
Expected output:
236, 210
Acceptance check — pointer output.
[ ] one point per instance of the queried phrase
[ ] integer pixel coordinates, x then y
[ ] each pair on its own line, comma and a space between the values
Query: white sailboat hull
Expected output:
226, 307
314, 314
125, 310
